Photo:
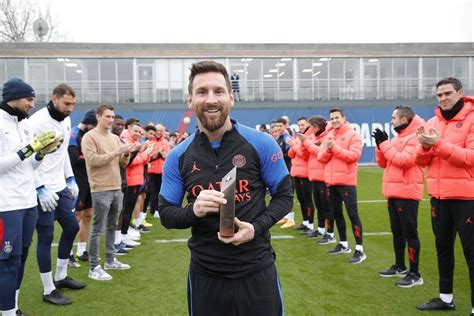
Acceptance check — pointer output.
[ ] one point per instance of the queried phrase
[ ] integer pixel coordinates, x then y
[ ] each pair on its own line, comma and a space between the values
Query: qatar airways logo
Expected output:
242, 190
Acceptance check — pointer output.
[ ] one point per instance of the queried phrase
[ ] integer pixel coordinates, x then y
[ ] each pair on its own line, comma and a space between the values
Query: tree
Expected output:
17, 18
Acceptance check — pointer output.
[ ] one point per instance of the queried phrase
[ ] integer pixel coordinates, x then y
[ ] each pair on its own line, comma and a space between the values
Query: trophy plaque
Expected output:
227, 211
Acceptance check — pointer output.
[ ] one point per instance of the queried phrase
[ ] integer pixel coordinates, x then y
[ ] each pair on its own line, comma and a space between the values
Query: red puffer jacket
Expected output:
402, 178
341, 162
315, 167
299, 159
161, 145
451, 159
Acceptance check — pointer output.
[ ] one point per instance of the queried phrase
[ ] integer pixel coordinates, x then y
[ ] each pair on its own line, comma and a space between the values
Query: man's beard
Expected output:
212, 125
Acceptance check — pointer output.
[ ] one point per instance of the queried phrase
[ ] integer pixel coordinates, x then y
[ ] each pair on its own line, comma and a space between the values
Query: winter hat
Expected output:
89, 118
15, 89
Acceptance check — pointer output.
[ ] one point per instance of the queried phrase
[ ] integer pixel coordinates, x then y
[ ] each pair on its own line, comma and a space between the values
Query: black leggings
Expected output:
303, 193
131, 196
348, 195
320, 197
154, 185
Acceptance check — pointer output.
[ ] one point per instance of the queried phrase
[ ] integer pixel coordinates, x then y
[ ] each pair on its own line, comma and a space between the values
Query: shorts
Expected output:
64, 209
84, 200
16, 231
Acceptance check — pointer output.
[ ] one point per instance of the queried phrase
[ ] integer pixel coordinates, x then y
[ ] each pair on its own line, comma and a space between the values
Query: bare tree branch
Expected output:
16, 22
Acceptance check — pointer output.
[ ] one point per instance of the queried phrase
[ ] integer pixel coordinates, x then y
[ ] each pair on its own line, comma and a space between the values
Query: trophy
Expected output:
227, 211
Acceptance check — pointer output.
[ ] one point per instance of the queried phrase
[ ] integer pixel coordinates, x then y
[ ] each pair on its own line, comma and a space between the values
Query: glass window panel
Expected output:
15, 69
90, 73
74, 71
125, 80
38, 79
351, 76
305, 73
429, 77
445, 67
3, 69
461, 68
56, 70
176, 75
411, 83
107, 80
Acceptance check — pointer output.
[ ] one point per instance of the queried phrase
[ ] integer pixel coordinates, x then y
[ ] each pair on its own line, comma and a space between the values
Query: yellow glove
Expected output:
51, 148
40, 141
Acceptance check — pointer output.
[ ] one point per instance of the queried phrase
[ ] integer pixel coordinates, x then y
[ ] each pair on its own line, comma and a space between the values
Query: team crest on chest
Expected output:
239, 161
7, 247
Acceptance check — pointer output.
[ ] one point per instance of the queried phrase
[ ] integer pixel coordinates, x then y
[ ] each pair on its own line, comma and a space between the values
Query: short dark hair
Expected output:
336, 110
101, 108
405, 111
457, 85
318, 121
150, 128
282, 121
131, 120
302, 118
206, 66
63, 89
118, 117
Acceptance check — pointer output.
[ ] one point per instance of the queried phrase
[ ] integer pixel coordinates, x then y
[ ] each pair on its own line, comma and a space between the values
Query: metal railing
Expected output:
253, 90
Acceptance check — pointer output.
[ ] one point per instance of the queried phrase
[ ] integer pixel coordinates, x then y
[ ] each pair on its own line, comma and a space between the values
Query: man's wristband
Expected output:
25, 152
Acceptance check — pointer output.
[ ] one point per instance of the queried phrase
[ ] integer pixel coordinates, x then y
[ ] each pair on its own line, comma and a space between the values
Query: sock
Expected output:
142, 216
10, 312
81, 248
360, 248
61, 269
472, 310
306, 223
345, 244
447, 298
47, 280
17, 293
138, 221
310, 226
321, 230
331, 234
118, 237
290, 216
124, 237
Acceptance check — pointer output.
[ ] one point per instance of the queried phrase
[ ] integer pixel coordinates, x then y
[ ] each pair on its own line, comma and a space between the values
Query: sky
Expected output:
260, 21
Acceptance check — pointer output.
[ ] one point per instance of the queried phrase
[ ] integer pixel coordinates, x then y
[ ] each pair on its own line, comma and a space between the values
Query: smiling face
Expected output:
211, 100
448, 96
105, 120
337, 119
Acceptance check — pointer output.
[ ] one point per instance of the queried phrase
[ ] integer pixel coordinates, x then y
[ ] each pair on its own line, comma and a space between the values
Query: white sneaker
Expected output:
116, 265
156, 214
129, 242
99, 274
134, 234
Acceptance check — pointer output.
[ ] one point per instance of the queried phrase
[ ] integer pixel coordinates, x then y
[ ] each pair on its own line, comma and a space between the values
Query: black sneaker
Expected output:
339, 249
358, 257
56, 298
143, 229
411, 279
327, 239
69, 283
314, 234
19, 312
73, 262
394, 271
436, 304
84, 256
308, 232
301, 227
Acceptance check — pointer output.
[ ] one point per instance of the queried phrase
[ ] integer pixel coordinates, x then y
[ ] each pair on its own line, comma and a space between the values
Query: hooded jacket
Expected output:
402, 178
313, 145
451, 160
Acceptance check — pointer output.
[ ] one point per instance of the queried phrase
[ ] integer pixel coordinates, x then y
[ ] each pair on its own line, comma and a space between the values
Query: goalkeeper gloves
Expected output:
40, 141
48, 199
51, 148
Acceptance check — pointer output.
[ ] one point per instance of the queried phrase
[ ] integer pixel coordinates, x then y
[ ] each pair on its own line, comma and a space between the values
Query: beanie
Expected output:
89, 118
15, 89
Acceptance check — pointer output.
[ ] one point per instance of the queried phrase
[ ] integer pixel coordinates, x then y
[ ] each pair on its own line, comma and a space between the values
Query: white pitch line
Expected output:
377, 234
